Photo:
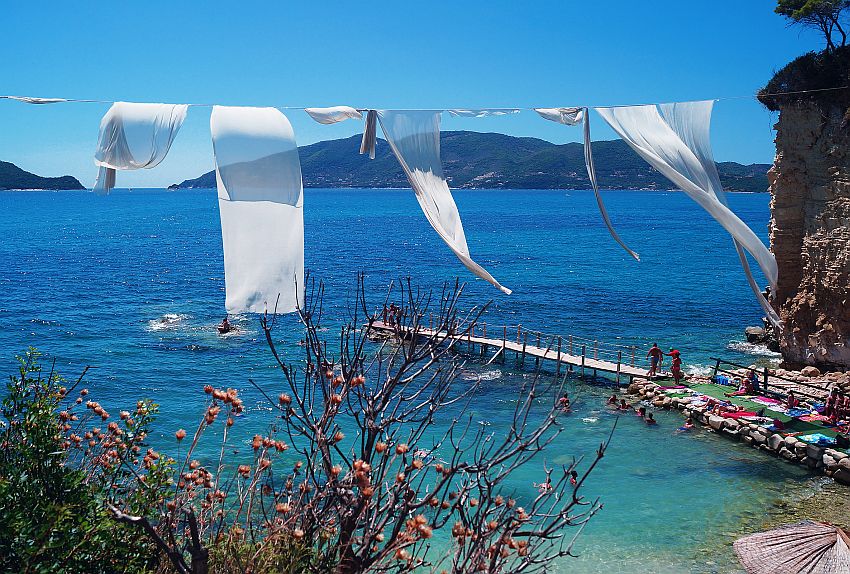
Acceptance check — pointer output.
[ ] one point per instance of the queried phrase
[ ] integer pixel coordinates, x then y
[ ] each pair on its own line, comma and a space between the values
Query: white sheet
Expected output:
135, 136
571, 117
414, 137
675, 140
260, 198
334, 114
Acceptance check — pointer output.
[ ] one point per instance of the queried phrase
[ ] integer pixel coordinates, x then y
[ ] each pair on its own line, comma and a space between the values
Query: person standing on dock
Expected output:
676, 367
656, 357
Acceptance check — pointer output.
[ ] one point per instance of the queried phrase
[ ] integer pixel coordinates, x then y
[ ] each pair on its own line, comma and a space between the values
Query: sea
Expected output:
132, 284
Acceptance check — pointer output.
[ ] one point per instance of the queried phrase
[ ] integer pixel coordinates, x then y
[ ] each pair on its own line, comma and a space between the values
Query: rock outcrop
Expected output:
810, 233
810, 213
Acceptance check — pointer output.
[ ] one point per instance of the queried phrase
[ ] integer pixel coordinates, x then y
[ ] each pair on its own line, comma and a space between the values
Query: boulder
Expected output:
747, 439
786, 454
845, 464
829, 462
715, 422
814, 451
810, 371
758, 437
744, 430
790, 441
755, 334
836, 454
842, 475
775, 442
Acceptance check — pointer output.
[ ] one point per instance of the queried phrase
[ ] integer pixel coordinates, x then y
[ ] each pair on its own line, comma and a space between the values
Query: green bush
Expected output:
52, 500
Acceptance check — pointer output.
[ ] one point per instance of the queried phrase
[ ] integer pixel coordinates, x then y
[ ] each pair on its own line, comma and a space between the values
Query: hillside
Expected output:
498, 161
13, 177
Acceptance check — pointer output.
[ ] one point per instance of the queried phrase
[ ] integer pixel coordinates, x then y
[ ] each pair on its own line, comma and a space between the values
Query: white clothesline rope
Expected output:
37, 100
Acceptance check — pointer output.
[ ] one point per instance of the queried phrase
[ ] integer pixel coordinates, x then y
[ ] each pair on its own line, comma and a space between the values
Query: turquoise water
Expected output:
89, 281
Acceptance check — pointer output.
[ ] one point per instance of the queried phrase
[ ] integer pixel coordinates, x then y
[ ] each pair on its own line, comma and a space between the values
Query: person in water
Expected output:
564, 402
225, 326
573, 477
650, 420
623, 405
613, 400
656, 357
689, 424
641, 412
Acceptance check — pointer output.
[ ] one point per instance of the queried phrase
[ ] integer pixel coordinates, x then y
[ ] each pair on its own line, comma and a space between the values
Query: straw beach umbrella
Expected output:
806, 547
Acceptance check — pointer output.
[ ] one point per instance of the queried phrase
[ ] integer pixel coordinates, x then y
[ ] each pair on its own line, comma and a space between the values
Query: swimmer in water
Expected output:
573, 477
650, 420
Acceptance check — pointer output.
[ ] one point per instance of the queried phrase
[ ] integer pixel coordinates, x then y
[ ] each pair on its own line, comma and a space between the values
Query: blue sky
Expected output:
466, 53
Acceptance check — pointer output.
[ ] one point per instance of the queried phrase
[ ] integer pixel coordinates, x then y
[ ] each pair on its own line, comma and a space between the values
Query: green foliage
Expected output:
13, 177
811, 78
822, 15
52, 509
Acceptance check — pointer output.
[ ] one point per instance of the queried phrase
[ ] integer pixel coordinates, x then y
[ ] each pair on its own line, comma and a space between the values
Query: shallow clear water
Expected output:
133, 284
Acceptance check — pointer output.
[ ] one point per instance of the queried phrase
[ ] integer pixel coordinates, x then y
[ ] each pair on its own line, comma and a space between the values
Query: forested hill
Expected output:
494, 161
13, 177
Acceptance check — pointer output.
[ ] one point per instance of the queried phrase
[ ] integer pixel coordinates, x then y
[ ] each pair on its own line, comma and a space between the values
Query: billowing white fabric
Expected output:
30, 100
571, 117
260, 200
674, 139
483, 113
414, 137
370, 137
135, 136
334, 114
566, 116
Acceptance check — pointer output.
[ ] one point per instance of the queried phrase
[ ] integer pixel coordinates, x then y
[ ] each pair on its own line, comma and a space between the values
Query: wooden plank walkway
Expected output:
523, 350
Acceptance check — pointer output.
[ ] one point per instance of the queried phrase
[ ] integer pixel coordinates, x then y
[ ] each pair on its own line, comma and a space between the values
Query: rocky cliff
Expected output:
810, 208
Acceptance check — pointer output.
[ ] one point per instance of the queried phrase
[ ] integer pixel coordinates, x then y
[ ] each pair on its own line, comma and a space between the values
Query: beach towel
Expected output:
798, 412
738, 415
766, 401
813, 418
817, 438
675, 140
260, 201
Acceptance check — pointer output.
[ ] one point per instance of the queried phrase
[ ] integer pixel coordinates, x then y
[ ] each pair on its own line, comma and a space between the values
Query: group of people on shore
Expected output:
656, 359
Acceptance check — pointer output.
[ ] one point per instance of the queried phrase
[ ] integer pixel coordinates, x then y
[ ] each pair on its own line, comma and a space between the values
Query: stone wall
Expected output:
810, 233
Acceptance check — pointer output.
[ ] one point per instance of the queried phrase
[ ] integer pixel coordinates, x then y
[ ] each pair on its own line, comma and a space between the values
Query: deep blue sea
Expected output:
133, 284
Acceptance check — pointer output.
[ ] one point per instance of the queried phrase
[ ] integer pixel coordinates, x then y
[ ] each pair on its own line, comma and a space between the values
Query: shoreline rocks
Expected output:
828, 461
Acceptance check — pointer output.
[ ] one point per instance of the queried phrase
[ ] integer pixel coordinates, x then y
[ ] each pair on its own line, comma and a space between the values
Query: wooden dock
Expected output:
584, 356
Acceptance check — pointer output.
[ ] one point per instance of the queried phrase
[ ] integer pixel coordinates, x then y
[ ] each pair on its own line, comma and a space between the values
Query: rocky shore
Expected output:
831, 462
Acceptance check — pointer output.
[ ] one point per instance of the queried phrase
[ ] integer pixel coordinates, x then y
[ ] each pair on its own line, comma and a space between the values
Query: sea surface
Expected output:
133, 285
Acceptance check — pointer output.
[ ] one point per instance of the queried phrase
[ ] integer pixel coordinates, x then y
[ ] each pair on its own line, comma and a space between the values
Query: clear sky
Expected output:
464, 53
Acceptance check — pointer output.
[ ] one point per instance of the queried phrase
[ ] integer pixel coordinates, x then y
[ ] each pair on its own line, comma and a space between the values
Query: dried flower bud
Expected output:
180, 434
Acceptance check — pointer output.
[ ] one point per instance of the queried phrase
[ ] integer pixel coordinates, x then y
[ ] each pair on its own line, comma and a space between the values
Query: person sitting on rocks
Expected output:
650, 420
753, 379
791, 402
745, 387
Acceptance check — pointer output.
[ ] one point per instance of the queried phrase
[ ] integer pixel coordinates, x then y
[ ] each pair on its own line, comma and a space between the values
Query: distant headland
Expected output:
14, 178
474, 160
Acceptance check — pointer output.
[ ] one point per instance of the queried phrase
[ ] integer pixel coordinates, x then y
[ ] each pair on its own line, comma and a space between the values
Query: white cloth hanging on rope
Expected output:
414, 137
30, 100
135, 136
260, 200
333, 114
571, 117
483, 113
675, 140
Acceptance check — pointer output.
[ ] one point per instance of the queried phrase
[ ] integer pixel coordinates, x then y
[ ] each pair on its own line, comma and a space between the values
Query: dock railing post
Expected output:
571, 344
504, 343
619, 360
765, 379
633, 355
583, 349
716, 368
484, 326
524, 343
596, 349
537, 357
558, 364
518, 334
